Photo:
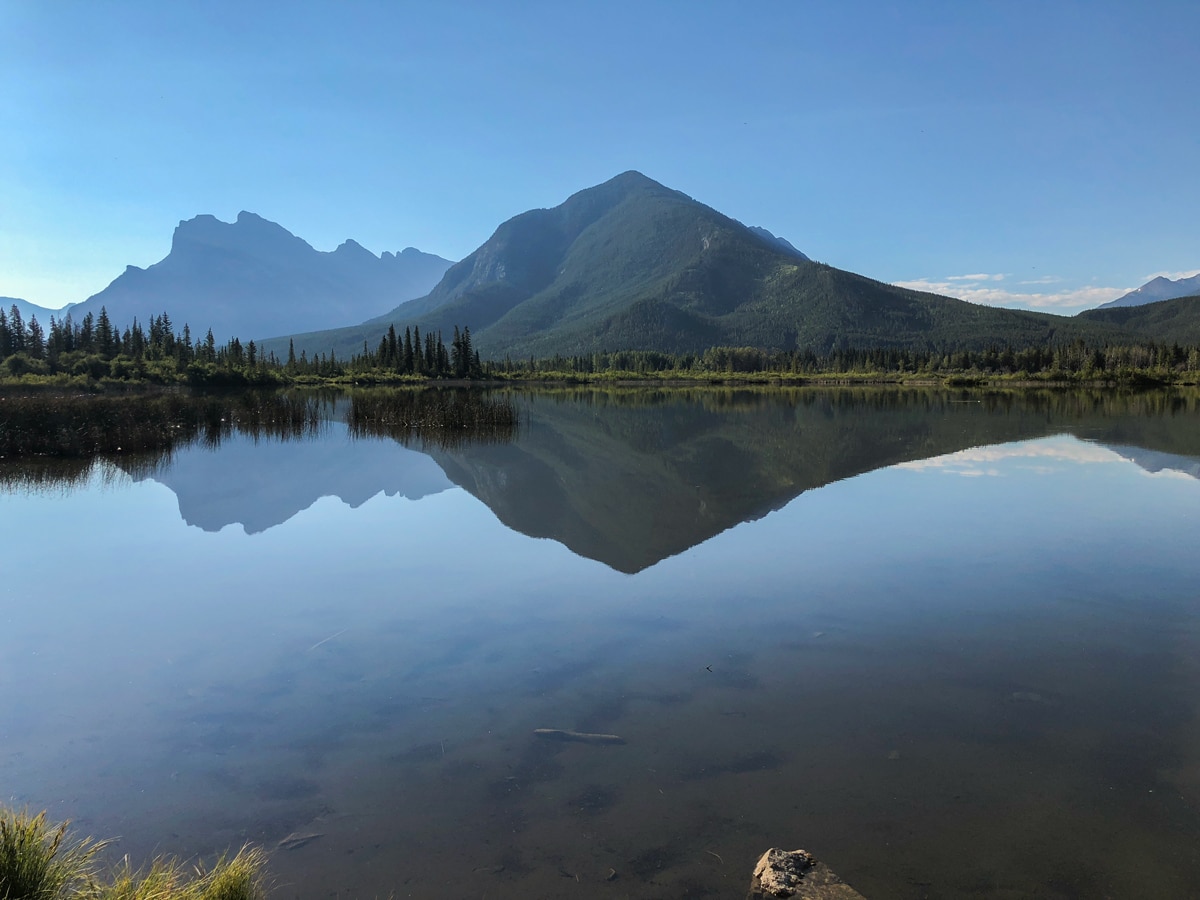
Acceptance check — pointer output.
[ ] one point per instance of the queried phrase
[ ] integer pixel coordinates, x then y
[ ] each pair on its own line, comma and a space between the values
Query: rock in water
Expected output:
795, 873
779, 872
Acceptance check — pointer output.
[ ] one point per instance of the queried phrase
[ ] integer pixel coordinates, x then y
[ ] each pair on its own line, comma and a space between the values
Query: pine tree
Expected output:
106, 339
35, 341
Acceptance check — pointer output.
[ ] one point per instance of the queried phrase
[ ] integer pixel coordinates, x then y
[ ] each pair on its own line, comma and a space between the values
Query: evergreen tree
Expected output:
106, 339
6, 341
16, 328
35, 340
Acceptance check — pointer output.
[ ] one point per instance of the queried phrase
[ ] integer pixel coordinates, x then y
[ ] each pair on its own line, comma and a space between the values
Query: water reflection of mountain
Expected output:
1155, 462
263, 482
629, 478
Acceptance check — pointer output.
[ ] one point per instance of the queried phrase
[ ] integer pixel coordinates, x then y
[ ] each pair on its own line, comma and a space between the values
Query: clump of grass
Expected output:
39, 862
163, 880
236, 878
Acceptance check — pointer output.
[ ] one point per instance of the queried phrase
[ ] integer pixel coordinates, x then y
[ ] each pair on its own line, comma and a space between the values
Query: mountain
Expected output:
1157, 289
631, 264
32, 309
781, 243
1169, 321
253, 278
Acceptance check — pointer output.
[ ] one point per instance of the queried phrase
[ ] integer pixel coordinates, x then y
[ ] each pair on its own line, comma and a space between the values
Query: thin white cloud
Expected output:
986, 295
1045, 279
1174, 276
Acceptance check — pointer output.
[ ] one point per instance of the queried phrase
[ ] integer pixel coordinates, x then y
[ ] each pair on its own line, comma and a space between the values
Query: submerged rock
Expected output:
796, 873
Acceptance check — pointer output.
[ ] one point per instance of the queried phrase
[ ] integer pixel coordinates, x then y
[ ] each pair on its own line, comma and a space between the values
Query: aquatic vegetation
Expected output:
442, 417
75, 426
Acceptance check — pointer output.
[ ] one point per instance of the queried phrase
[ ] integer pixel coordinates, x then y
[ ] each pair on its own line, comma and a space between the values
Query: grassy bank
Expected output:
1130, 377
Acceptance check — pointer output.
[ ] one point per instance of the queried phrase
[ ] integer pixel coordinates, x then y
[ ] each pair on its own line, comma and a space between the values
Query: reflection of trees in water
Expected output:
445, 418
57, 440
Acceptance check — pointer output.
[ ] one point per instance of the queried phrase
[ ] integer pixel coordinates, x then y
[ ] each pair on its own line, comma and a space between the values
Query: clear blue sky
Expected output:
1048, 150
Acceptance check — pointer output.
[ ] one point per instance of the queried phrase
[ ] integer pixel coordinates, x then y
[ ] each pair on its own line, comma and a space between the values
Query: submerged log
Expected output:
556, 734
297, 839
796, 873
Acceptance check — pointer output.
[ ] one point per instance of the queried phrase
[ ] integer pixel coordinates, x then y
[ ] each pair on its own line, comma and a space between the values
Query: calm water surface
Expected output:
949, 642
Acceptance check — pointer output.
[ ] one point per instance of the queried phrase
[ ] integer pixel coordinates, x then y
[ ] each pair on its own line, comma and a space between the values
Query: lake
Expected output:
948, 641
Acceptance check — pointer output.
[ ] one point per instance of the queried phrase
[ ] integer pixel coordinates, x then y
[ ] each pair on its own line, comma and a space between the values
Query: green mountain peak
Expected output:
631, 264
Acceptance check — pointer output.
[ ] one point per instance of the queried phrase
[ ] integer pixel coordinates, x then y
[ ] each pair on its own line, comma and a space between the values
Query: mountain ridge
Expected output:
1168, 321
631, 264
1154, 290
28, 309
252, 278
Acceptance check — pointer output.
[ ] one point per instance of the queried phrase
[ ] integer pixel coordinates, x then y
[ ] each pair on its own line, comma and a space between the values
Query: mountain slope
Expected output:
253, 278
1169, 321
631, 264
1157, 289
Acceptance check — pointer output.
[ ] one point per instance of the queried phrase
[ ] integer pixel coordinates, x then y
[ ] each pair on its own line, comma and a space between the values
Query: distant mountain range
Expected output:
626, 265
631, 264
1155, 290
28, 309
253, 278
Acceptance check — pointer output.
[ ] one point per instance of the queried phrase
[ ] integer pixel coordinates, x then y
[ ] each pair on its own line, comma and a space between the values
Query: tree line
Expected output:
1076, 359
95, 349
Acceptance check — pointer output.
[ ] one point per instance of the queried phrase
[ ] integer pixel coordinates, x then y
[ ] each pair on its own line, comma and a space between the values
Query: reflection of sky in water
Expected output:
119, 582
122, 627
1044, 457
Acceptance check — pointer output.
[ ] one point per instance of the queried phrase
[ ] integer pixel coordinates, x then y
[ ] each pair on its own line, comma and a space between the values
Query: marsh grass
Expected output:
441, 417
39, 861
239, 877
72, 427
81, 426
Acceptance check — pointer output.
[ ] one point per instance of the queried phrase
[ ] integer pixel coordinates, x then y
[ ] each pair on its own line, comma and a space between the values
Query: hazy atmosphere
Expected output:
1019, 154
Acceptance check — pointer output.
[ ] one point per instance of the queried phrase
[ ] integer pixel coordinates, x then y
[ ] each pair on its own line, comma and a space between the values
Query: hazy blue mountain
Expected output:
253, 278
32, 309
631, 264
1157, 289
